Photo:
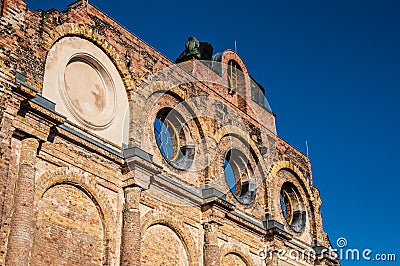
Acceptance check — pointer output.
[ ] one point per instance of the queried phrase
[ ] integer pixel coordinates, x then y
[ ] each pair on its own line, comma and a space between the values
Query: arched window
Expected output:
235, 76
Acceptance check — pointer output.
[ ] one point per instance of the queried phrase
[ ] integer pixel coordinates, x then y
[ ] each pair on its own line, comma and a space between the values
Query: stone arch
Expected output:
87, 185
249, 191
151, 219
86, 32
305, 185
232, 55
176, 92
232, 130
152, 94
178, 95
170, 101
164, 87
87, 88
235, 250
235, 255
243, 92
245, 137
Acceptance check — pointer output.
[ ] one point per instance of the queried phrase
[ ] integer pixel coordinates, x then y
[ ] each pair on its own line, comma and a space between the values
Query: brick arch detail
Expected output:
235, 250
87, 185
179, 94
244, 137
306, 187
83, 31
156, 91
289, 165
151, 219
231, 55
164, 87
141, 122
232, 130
243, 95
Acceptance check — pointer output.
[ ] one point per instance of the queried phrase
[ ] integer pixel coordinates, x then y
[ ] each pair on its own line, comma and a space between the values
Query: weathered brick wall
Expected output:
79, 199
11, 24
10, 173
286, 152
286, 175
77, 213
69, 230
233, 259
161, 246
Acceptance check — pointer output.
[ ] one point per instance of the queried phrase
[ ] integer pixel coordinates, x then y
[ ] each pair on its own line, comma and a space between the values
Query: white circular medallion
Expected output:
88, 91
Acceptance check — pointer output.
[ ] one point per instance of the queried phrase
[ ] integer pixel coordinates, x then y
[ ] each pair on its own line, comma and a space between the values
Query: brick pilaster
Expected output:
212, 252
131, 237
20, 238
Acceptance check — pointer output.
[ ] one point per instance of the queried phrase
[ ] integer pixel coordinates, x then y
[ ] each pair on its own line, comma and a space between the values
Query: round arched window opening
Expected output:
292, 207
238, 175
170, 139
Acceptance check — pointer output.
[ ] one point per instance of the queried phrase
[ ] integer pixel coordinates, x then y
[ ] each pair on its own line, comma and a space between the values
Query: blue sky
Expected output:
331, 70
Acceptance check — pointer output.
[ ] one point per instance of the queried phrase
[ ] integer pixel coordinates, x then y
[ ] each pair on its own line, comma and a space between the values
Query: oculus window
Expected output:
292, 207
170, 139
238, 175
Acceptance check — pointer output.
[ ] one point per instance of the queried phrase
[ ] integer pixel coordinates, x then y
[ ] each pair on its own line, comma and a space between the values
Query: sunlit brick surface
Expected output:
161, 246
68, 229
233, 260
69, 195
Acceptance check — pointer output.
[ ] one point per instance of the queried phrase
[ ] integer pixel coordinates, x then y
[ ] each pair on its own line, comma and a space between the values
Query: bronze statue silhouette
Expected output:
196, 49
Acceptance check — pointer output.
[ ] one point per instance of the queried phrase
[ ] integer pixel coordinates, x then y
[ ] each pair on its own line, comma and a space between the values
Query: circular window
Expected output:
292, 207
170, 139
238, 177
88, 91
166, 138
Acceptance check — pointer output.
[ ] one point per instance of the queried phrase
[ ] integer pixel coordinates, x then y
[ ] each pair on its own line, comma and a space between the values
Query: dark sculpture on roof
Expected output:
193, 46
196, 49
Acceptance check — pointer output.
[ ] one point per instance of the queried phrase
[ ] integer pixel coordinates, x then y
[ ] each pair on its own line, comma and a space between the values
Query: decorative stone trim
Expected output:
314, 203
212, 252
232, 130
289, 165
231, 55
80, 30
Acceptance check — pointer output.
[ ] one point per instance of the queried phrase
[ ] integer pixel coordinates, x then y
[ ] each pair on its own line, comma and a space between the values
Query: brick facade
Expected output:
70, 196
